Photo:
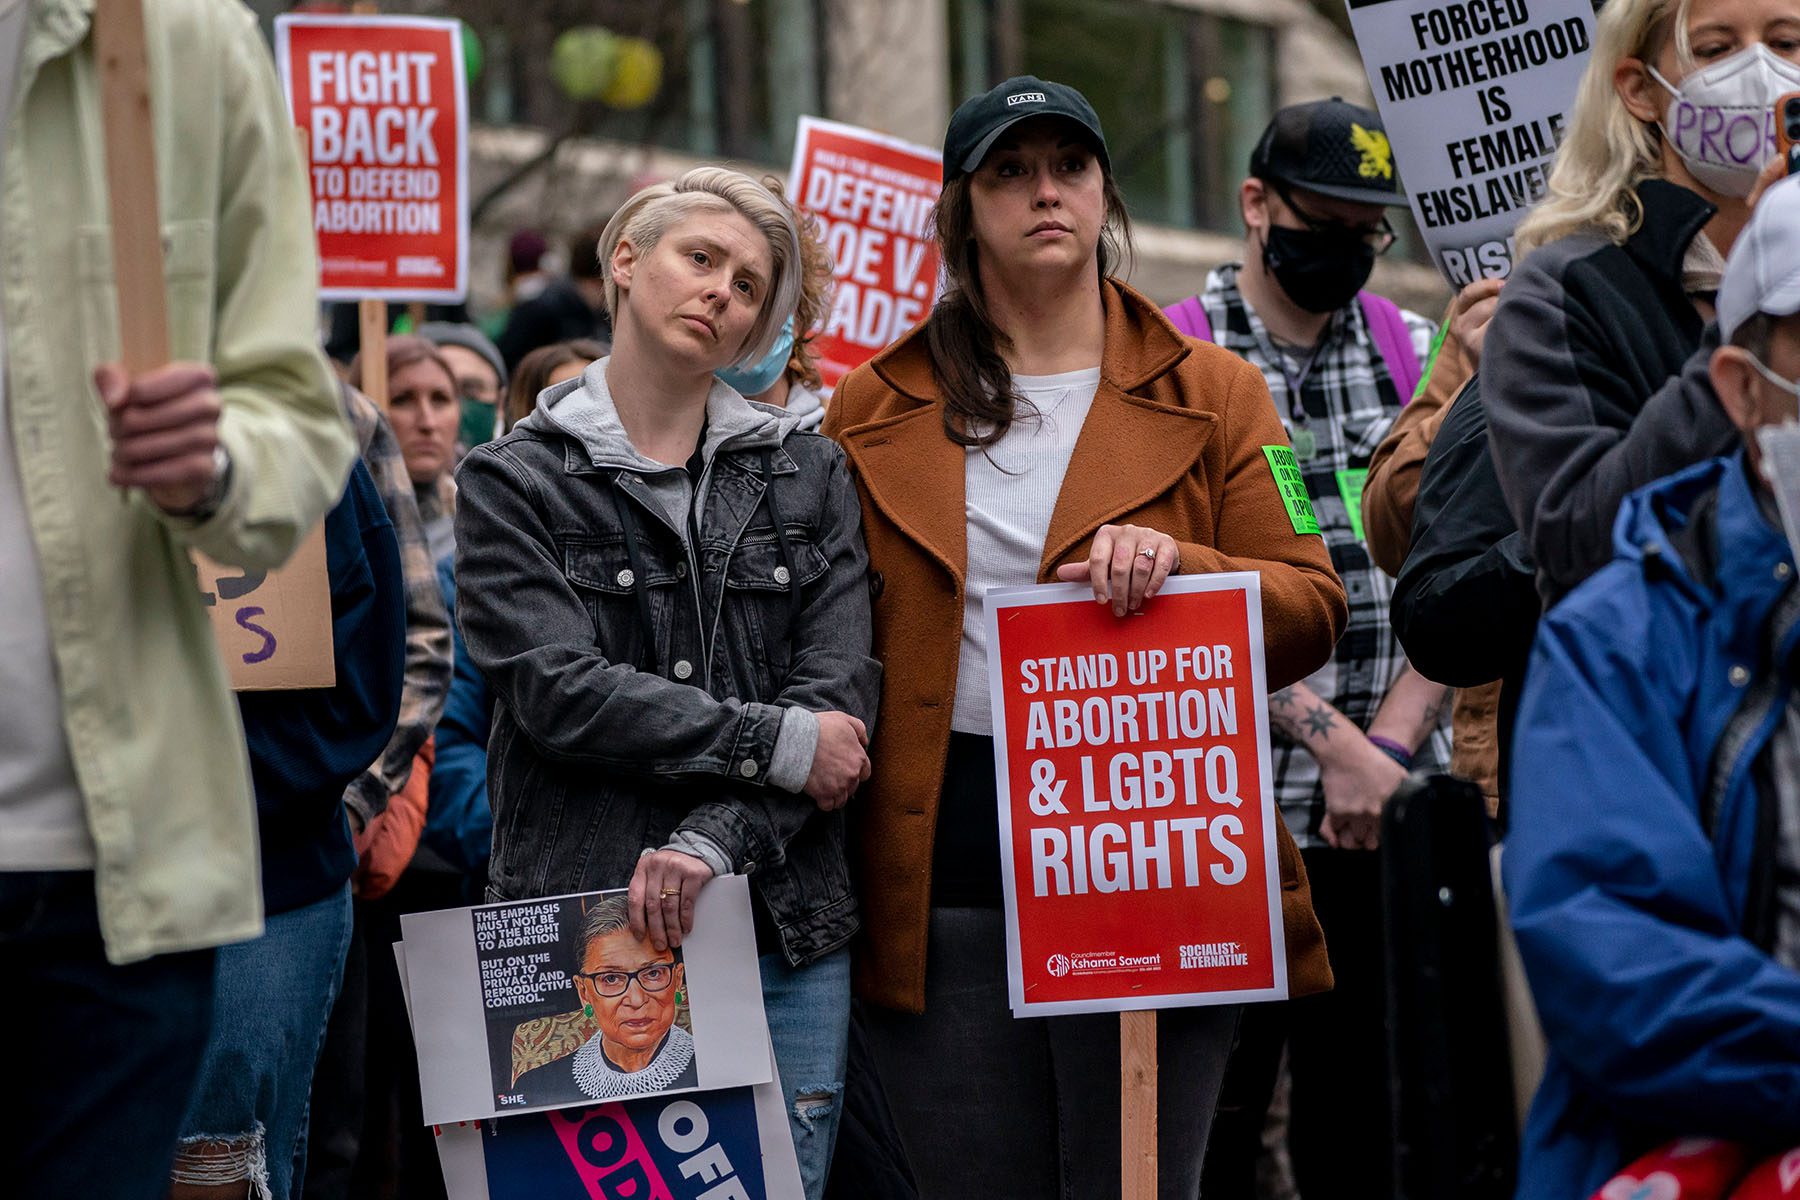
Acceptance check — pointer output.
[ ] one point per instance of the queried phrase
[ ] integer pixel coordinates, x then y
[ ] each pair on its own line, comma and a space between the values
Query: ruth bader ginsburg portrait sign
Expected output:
548, 1003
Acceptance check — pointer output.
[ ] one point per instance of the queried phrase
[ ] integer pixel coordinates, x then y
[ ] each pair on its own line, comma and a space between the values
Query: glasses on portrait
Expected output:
654, 978
1377, 237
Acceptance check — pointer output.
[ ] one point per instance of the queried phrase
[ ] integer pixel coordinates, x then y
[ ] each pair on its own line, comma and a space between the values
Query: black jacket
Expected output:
1465, 605
640, 683
1593, 385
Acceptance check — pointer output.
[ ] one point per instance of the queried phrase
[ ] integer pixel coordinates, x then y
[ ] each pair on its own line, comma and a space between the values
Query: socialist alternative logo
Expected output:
1058, 966
1377, 153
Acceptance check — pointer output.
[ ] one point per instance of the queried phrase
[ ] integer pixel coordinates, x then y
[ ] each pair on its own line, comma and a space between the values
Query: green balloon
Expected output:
583, 60
472, 53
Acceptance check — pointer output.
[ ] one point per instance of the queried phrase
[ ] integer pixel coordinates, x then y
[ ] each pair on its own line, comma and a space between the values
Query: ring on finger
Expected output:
1148, 552
667, 892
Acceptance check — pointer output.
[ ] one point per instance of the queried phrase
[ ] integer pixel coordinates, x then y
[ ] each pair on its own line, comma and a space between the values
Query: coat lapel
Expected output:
914, 475
1130, 451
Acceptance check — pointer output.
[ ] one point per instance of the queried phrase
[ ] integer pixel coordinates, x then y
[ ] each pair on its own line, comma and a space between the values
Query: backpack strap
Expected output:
1190, 318
1393, 341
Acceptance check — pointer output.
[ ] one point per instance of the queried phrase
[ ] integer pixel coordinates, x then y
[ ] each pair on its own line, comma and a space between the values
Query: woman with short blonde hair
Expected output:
665, 588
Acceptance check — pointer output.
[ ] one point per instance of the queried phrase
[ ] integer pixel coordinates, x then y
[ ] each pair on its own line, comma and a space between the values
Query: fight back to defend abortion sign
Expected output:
383, 104
1137, 811
1476, 96
873, 196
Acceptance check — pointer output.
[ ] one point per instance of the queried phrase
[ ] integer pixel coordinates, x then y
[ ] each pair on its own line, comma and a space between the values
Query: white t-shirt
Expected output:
1010, 494
43, 825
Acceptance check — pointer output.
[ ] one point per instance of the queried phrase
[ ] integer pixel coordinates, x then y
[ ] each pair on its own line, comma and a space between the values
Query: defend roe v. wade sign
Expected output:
1475, 96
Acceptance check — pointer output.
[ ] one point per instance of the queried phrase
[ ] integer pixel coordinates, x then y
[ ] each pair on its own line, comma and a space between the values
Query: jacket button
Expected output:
1782, 570
1740, 675
683, 669
781, 576
748, 769
626, 578
877, 584
681, 570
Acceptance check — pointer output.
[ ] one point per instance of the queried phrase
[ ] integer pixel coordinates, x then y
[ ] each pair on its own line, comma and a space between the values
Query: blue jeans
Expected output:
809, 1024
99, 1058
247, 1120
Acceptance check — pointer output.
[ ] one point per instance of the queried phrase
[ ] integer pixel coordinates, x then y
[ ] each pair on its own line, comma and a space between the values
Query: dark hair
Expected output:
403, 350
1756, 333
535, 369
584, 252
966, 346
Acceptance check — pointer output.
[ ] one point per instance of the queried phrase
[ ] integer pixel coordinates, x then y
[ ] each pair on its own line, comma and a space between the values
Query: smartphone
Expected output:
1787, 130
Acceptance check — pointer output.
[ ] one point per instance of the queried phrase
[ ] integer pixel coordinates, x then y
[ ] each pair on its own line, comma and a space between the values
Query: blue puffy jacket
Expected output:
1639, 864
459, 826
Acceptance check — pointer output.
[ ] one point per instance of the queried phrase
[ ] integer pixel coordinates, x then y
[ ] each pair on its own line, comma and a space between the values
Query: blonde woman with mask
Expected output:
1590, 376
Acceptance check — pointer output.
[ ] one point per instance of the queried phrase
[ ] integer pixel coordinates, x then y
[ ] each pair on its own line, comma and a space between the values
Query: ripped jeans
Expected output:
247, 1120
809, 1024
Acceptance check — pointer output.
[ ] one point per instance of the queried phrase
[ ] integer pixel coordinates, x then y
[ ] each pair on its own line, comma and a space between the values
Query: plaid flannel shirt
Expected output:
1346, 402
428, 643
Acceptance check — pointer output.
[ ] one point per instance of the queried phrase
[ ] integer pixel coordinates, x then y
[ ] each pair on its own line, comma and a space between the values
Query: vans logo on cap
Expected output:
1026, 98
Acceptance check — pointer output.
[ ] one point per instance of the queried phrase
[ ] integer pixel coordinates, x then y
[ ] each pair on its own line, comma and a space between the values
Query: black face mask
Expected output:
1320, 272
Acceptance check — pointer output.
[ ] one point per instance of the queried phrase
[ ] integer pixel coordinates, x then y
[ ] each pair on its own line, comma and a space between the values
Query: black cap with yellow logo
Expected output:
1330, 147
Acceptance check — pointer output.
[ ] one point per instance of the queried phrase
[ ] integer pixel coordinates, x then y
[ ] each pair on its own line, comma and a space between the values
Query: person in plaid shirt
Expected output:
1339, 365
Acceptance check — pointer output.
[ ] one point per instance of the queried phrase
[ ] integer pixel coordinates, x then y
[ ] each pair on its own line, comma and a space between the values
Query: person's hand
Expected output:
1356, 787
1127, 565
1773, 170
840, 762
165, 428
662, 894
1475, 306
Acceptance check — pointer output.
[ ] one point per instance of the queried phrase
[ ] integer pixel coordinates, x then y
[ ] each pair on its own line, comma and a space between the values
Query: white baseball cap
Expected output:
1763, 273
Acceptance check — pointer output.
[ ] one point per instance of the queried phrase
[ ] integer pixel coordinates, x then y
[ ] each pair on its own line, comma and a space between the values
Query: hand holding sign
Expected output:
1127, 564
164, 427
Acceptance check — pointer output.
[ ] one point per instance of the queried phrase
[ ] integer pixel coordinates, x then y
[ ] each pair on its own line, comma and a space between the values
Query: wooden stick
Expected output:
372, 322
1137, 1105
415, 312
137, 240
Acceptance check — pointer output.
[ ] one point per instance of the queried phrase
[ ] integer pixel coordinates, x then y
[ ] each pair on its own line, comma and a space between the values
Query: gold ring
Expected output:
667, 892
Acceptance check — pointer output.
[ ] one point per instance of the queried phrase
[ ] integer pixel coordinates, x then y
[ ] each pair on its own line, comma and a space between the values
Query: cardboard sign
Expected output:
873, 195
705, 1146
273, 627
1476, 99
511, 1009
1137, 808
385, 109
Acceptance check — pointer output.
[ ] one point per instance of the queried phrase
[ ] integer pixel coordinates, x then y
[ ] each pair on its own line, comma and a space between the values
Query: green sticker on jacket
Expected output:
1292, 486
1350, 487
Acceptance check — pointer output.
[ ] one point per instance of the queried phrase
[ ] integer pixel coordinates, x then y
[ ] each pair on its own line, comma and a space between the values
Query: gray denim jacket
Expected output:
657, 646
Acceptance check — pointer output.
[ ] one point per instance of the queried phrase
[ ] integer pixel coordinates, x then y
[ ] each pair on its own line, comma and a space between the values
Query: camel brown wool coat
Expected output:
1173, 442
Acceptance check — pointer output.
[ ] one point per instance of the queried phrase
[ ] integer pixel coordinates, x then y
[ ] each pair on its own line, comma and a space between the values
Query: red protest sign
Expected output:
384, 107
872, 194
1137, 811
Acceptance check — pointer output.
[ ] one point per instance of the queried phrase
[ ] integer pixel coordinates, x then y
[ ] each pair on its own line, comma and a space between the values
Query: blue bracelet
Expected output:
1393, 750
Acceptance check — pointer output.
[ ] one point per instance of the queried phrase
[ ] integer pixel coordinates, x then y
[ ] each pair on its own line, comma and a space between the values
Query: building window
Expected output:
1182, 95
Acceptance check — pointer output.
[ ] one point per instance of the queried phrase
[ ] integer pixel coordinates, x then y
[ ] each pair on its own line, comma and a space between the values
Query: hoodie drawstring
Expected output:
787, 551
636, 555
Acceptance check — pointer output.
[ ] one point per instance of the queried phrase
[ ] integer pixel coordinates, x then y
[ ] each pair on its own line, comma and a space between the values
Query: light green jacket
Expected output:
151, 722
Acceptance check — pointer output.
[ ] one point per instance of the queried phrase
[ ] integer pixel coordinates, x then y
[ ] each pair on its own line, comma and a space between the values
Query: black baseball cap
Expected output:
980, 120
1331, 147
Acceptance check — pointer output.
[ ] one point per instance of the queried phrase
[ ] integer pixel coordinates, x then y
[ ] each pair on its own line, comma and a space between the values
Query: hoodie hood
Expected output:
1706, 529
582, 409
806, 406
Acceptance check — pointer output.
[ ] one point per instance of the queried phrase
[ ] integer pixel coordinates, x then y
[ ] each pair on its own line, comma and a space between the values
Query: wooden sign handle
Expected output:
1137, 1105
137, 245
372, 324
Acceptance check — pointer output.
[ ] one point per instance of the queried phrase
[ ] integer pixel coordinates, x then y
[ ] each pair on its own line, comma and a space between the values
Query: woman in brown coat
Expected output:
1046, 422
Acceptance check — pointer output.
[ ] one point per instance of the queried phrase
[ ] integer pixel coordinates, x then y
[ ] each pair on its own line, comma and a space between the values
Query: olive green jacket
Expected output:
150, 719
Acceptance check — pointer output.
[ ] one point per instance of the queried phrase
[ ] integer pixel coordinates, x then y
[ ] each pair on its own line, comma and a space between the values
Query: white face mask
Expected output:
1721, 120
